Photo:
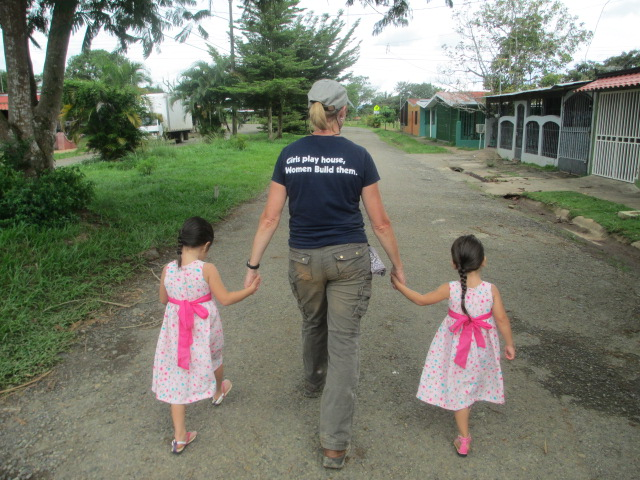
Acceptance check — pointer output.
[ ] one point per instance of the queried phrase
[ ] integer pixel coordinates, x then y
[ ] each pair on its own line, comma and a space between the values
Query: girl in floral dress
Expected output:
188, 360
463, 363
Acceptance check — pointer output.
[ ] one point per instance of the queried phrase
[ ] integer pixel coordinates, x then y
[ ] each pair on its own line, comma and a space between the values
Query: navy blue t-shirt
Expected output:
324, 177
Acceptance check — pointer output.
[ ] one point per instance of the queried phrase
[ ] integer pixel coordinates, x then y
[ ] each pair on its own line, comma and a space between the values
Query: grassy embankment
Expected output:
407, 143
53, 280
603, 212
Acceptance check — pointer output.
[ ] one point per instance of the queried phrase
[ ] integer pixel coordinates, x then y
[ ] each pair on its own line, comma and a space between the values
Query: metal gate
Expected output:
617, 147
575, 134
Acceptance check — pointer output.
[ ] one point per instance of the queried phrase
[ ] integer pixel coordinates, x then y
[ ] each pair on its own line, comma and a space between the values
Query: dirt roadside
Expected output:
572, 393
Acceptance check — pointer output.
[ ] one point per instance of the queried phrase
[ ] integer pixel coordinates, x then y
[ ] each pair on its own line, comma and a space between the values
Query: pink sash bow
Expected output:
471, 327
186, 311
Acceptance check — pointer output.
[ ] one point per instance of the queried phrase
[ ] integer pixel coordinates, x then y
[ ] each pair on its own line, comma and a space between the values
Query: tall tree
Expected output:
32, 119
112, 68
510, 45
360, 92
204, 89
415, 90
283, 53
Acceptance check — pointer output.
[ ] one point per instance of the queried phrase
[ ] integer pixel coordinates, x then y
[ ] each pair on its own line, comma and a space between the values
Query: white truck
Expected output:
170, 119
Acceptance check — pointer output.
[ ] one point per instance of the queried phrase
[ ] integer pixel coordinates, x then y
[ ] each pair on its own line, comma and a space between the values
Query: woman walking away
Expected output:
325, 176
188, 361
463, 363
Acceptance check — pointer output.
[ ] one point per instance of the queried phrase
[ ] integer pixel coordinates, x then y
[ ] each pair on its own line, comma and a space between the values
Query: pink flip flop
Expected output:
225, 392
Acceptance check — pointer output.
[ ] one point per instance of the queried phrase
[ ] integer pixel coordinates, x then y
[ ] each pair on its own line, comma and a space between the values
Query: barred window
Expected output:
506, 135
550, 135
533, 132
535, 106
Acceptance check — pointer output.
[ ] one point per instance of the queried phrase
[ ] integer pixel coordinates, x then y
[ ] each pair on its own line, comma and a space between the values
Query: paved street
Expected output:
572, 410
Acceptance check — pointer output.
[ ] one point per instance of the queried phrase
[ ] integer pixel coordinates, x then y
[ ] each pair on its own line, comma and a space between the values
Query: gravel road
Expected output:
572, 408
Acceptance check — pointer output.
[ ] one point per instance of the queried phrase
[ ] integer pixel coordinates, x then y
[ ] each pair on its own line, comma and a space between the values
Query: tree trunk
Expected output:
270, 121
280, 121
32, 121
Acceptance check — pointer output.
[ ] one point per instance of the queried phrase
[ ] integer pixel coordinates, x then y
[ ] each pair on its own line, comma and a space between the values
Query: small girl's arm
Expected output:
164, 296
503, 323
225, 297
441, 293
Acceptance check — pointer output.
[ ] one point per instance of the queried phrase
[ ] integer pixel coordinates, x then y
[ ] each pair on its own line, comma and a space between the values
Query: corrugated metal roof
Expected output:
454, 99
557, 87
618, 81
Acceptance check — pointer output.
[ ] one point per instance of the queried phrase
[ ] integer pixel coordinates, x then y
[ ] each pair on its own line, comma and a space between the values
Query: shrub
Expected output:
373, 121
147, 165
13, 153
109, 116
53, 198
237, 142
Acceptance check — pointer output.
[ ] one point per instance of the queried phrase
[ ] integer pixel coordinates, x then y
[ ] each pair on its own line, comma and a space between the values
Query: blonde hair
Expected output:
320, 118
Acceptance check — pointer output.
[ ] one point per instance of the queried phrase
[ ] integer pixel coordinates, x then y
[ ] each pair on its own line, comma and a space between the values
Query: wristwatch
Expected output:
252, 267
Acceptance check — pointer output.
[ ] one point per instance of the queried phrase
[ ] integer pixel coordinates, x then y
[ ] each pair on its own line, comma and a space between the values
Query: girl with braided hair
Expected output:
188, 361
463, 363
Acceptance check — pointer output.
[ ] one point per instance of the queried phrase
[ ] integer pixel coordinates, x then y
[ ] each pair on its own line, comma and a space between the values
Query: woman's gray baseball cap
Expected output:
329, 93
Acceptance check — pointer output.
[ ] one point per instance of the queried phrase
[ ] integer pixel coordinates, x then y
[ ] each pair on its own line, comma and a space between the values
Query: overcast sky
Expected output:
410, 54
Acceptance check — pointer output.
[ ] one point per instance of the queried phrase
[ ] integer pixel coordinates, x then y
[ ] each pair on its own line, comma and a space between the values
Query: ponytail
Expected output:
320, 117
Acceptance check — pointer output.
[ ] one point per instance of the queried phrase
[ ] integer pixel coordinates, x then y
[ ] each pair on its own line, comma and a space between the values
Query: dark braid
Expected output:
179, 251
195, 232
467, 254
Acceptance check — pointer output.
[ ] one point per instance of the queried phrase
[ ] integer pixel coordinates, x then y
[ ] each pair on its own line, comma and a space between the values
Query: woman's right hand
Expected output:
250, 277
397, 276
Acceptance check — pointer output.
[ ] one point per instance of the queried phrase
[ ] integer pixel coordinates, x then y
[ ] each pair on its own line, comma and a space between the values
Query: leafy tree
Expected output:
131, 21
110, 116
415, 90
387, 115
360, 93
112, 68
588, 70
204, 91
510, 45
283, 53
398, 13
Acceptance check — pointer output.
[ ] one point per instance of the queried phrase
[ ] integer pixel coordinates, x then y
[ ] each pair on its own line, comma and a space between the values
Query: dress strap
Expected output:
186, 311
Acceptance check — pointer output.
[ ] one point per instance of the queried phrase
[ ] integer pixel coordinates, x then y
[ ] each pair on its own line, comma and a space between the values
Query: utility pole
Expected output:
234, 112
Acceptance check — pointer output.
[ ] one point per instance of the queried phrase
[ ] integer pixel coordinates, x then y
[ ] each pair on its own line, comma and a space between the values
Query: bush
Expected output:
237, 142
53, 198
13, 153
373, 121
110, 117
147, 166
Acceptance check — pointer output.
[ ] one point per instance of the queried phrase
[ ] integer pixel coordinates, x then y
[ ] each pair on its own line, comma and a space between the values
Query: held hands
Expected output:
254, 283
251, 277
510, 352
397, 278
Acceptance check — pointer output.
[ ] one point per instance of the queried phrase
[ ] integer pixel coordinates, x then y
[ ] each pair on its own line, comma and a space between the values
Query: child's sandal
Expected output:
179, 446
463, 445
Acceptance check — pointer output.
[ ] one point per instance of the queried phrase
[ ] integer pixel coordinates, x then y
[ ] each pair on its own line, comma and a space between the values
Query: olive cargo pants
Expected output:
332, 286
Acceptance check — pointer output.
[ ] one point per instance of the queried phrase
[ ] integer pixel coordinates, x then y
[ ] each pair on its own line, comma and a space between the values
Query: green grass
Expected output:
546, 168
52, 279
407, 143
601, 211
